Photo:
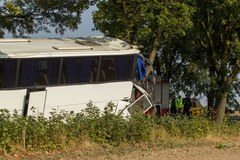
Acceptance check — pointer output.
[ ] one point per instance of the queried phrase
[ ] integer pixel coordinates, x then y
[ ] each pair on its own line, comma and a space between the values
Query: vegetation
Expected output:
185, 40
60, 131
195, 41
217, 31
23, 17
146, 23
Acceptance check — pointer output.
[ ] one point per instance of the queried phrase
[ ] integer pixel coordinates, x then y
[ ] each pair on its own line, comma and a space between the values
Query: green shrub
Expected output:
76, 127
55, 132
139, 128
194, 128
110, 129
170, 124
10, 130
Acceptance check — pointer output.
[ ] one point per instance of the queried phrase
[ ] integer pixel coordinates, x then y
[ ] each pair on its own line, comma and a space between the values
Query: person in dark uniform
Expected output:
173, 108
187, 105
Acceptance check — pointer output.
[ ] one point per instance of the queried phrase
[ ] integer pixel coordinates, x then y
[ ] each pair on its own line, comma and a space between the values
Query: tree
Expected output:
22, 17
182, 63
161, 26
217, 31
143, 22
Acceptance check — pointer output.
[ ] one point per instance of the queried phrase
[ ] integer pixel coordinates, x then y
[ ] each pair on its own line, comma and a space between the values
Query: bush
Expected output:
110, 129
194, 128
55, 132
139, 128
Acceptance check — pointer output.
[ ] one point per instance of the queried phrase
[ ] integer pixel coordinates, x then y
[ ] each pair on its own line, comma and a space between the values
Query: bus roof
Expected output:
64, 47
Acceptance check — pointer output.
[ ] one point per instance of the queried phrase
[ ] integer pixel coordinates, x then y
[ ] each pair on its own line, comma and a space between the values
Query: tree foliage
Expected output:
217, 30
196, 43
181, 61
22, 17
142, 22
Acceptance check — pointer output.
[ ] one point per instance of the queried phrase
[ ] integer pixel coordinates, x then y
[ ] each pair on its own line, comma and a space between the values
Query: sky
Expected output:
84, 29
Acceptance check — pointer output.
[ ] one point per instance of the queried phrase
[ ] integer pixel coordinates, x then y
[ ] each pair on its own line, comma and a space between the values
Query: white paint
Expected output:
13, 100
36, 48
74, 98
36, 103
69, 98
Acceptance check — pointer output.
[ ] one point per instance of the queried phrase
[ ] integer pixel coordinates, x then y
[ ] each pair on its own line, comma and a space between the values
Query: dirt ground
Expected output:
224, 152
195, 153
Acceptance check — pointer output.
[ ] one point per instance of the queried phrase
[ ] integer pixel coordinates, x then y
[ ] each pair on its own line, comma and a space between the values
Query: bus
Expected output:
42, 75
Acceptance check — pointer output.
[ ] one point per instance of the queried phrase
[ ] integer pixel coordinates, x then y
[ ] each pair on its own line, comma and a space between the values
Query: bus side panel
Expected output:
13, 100
161, 97
36, 103
165, 95
74, 98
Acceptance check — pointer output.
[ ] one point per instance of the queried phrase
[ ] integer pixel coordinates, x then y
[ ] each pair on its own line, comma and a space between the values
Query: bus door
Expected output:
35, 102
140, 101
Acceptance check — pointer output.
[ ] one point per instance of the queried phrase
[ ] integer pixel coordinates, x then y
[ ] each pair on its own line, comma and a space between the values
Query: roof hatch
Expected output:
14, 40
72, 48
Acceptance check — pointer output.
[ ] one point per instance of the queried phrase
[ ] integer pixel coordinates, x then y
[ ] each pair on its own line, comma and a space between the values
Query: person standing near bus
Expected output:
179, 104
187, 105
173, 109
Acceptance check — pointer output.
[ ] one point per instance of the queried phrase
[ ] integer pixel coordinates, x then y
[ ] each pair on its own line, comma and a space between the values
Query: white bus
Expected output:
67, 73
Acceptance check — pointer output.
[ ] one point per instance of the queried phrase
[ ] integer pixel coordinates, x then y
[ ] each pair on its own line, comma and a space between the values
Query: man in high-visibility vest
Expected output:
179, 104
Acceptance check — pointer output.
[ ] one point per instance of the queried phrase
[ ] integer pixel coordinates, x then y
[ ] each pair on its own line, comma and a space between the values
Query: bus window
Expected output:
117, 67
27, 73
85, 69
124, 67
35, 72
8, 73
107, 69
78, 69
94, 71
42, 78
49, 69
2, 76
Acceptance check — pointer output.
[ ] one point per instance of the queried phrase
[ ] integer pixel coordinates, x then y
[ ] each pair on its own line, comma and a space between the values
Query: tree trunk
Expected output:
154, 50
221, 107
211, 95
152, 54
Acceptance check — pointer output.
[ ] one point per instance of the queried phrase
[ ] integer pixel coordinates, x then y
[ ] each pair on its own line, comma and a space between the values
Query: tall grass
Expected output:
57, 131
